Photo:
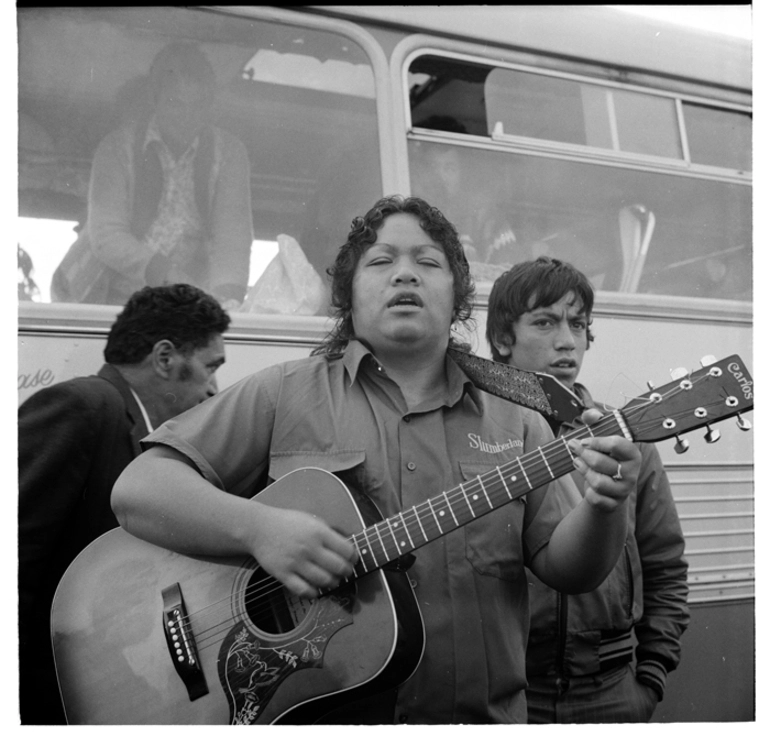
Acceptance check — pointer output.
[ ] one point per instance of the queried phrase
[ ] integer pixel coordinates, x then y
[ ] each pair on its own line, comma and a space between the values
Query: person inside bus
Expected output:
381, 401
580, 653
443, 175
75, 438
169, 198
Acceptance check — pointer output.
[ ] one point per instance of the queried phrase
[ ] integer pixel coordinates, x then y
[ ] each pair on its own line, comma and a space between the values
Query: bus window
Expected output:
299, 102
718, 137
568, 111
631, 219
629, 230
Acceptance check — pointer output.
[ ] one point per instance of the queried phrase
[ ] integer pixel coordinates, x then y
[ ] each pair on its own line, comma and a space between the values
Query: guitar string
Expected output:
463, 489
263, 589
273, 585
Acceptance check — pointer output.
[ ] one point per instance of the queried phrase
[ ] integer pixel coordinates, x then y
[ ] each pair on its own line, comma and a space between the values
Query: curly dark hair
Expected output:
547, 280
362, 235
181, 313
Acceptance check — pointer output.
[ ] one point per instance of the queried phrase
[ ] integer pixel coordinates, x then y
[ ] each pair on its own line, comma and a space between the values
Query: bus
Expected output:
618, 143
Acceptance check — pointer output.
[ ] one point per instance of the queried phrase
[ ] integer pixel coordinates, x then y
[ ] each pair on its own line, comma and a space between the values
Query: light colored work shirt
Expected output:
348, 417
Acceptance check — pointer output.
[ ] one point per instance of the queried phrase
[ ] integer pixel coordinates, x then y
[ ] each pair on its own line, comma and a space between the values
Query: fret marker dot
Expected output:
441, 513
513, 477
475, 496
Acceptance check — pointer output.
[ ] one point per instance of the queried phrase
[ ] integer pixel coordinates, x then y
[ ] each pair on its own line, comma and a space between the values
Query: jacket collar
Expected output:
139, 429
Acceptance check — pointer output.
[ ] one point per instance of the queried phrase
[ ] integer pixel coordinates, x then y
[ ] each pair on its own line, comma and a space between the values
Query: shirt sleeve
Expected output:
231, 224
548, 505
227, 437
110, 202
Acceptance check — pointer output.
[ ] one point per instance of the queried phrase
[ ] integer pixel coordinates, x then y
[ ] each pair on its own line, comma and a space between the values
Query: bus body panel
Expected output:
332, 150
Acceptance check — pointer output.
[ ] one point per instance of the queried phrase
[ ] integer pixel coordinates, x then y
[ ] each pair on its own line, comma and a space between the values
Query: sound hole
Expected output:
271, 607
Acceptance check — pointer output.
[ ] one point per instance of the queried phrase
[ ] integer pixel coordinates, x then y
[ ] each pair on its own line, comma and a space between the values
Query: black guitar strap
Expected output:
537, 391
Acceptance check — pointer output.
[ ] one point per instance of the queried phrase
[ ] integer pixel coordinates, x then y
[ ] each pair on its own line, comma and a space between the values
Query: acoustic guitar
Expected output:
142, 635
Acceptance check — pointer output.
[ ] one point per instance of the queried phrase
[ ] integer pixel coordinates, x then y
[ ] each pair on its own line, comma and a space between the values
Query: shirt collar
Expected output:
458, 383
355, 353
153, 136
145, 415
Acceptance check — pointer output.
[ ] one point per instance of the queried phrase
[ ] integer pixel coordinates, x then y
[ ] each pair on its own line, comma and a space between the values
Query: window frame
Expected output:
609, 303
588, 152
91, 319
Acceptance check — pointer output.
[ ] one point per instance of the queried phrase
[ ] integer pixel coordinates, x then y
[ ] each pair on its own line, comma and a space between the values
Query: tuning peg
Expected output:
650, 385
681, 445
678, 373
707, 360
743, 424
712, 435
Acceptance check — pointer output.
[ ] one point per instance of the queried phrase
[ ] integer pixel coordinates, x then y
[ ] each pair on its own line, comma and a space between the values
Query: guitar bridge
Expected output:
181, 643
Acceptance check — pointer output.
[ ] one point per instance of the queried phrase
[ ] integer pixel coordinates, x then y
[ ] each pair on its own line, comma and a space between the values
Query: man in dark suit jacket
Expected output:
76, 437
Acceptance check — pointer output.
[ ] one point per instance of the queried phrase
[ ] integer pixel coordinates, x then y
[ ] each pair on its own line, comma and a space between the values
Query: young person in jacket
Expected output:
169, 199
75, 438
384, 406
580, 654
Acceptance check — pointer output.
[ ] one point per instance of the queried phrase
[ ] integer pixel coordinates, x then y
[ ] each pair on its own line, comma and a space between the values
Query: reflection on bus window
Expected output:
168, 199
528, 163
629, 230
293, 117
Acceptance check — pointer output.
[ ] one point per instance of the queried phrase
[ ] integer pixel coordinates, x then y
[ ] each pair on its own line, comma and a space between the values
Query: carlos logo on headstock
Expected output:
715, 392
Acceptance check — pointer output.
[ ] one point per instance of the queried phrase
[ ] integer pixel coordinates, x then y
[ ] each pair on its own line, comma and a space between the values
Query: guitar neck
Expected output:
414, 527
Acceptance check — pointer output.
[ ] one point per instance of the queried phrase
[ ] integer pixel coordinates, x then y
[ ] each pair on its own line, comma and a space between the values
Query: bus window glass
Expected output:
629, 230
538, 106
292, 107
567, 111
718, 137
646, 124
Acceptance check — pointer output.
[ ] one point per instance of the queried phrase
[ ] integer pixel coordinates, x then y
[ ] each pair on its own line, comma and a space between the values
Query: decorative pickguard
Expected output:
251, 669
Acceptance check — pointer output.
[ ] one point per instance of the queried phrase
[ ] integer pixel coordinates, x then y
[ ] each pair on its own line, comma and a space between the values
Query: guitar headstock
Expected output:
708, 395
564, 404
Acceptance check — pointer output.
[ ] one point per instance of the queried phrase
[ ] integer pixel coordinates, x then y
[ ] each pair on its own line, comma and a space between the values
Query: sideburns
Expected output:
185, 372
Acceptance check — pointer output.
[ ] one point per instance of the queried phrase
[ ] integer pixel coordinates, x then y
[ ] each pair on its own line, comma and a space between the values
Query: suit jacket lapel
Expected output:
139, 429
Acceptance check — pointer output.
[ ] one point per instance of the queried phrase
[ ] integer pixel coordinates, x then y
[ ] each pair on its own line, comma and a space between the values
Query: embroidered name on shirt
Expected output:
478, 444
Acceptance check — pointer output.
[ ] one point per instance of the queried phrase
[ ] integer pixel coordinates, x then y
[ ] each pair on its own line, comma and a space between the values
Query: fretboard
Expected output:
389, 539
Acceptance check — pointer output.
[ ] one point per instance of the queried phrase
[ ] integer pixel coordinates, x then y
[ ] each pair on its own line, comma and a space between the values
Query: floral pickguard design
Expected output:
251, 670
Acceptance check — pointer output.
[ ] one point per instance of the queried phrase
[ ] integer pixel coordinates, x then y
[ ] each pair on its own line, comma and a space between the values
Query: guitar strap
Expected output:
525, 388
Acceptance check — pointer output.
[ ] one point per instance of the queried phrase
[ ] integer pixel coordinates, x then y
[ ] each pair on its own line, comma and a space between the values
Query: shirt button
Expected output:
407, 419
411, 466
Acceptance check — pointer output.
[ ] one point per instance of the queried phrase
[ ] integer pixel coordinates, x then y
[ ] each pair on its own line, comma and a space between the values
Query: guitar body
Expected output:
259, 655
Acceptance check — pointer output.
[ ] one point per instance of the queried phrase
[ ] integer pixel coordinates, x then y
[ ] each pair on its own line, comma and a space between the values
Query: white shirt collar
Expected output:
145, 416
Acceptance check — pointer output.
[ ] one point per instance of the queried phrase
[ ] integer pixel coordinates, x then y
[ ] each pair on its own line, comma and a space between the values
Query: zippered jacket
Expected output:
644, 596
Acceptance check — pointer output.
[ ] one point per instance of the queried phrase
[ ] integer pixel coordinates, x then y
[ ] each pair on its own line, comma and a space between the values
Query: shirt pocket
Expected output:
493, 542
